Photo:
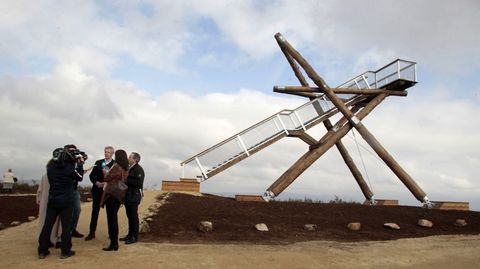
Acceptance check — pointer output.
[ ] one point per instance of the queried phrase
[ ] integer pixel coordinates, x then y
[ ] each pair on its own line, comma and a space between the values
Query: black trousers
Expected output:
112, 205
96, 196
65, 213
132, 215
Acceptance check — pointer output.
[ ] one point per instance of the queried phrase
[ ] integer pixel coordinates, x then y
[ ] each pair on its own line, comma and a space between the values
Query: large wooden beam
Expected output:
303, 136
313, 90
328, 125
329, 139
406, 179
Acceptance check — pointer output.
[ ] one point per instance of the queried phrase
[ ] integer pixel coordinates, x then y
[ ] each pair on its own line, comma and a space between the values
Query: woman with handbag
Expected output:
113, 195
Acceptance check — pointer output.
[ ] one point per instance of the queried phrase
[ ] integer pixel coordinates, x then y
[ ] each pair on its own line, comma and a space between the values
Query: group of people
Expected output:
59, 198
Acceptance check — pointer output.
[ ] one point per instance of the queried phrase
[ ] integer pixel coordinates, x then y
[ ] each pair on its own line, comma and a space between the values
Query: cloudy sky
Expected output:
171, 78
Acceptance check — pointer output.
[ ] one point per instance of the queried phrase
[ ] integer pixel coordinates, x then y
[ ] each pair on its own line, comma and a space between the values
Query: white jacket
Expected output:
8, 177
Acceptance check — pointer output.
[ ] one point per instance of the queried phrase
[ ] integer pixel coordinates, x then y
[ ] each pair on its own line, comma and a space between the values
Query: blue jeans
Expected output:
76, 211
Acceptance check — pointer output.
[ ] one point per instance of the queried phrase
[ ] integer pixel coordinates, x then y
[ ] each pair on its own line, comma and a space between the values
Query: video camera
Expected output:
66, 155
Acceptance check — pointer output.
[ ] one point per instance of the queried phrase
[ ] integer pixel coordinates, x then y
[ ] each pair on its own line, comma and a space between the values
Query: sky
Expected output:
169, 79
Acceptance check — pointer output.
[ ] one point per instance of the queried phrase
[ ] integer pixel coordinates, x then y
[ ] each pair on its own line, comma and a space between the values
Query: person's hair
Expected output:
110, 148
10, 170
70, 146
136, 157
121, 158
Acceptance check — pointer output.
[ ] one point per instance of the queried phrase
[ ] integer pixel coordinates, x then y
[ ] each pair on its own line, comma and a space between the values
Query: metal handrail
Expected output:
284, 111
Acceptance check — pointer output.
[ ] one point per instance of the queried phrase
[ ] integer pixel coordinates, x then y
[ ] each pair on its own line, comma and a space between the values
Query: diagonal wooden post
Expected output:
406, 179
328, 140
328, 125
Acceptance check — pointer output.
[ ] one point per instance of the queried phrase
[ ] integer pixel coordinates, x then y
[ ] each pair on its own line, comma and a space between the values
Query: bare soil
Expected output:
233, 222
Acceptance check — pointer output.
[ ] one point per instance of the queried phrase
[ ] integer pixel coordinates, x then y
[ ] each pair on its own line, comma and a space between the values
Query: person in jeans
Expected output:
133, 197
99, 170
63, 172
76, 205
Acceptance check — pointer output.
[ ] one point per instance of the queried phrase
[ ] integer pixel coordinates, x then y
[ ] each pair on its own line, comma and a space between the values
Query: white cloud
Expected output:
76, 101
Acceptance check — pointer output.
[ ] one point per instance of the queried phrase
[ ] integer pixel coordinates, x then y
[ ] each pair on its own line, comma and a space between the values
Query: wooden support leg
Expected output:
355, 121
328, 124
351, 165
328, 140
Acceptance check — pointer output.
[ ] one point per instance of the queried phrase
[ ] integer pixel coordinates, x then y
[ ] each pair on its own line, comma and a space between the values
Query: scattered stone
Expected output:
425, 223
205, 226
460, 223
391, 225
2, 226
149, 219
262, 227
354, 226
89, 199
15, 223
30, 218
310, 227
144, 227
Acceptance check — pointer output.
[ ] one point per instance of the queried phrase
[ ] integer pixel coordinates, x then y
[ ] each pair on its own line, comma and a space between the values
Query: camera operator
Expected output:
64, 172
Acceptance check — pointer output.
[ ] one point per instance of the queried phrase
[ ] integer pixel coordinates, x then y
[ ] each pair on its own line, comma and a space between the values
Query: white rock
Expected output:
262, 227
30, 218
149, 219
354, 226
393, 226
310, 227
425, 223
460, 223
205, 226
15, 223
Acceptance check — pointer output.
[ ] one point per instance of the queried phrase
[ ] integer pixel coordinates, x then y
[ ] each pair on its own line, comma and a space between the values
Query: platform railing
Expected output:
252, 139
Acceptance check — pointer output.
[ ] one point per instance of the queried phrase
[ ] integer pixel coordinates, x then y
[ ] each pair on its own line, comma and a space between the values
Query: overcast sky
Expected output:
169, 79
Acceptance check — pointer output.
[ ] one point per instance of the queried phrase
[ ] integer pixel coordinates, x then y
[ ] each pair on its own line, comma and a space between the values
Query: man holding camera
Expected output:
99, 170
63, 171
133, 197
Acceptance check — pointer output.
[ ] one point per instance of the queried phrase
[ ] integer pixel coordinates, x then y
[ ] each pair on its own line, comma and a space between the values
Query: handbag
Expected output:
117, 189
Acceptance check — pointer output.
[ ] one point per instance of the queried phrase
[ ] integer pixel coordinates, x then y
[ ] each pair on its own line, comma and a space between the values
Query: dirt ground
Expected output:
233, 222
18, 249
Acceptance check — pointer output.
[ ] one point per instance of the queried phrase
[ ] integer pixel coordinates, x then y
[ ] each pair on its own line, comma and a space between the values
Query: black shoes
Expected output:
50, 245
58, 244
68, 254
76, 234
125, 238
90, 237
131, 240
43, 255
110, 248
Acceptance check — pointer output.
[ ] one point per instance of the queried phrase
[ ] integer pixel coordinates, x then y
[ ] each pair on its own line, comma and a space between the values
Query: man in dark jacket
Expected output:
99, 170
133, 197
63, 171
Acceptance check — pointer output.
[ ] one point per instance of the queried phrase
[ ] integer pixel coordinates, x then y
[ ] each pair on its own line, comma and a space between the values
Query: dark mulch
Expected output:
20, 207
233, 222
17, 207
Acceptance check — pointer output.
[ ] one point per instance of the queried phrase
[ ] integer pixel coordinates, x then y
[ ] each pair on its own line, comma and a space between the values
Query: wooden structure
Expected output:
185, 184
354, 100
463, 206
248, 198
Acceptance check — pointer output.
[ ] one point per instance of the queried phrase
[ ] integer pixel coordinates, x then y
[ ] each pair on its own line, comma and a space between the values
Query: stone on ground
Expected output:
425, 223
460, 223
310, 227
391, 225
354, 226
262, 227
205, 226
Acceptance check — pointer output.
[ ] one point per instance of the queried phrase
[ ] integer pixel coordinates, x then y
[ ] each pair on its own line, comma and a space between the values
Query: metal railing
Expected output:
254, 138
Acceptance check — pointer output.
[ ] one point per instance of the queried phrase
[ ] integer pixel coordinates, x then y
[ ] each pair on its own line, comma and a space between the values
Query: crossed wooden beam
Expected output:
352, 118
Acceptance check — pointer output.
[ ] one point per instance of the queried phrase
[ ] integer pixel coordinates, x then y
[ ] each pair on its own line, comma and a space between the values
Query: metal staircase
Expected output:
398, 75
